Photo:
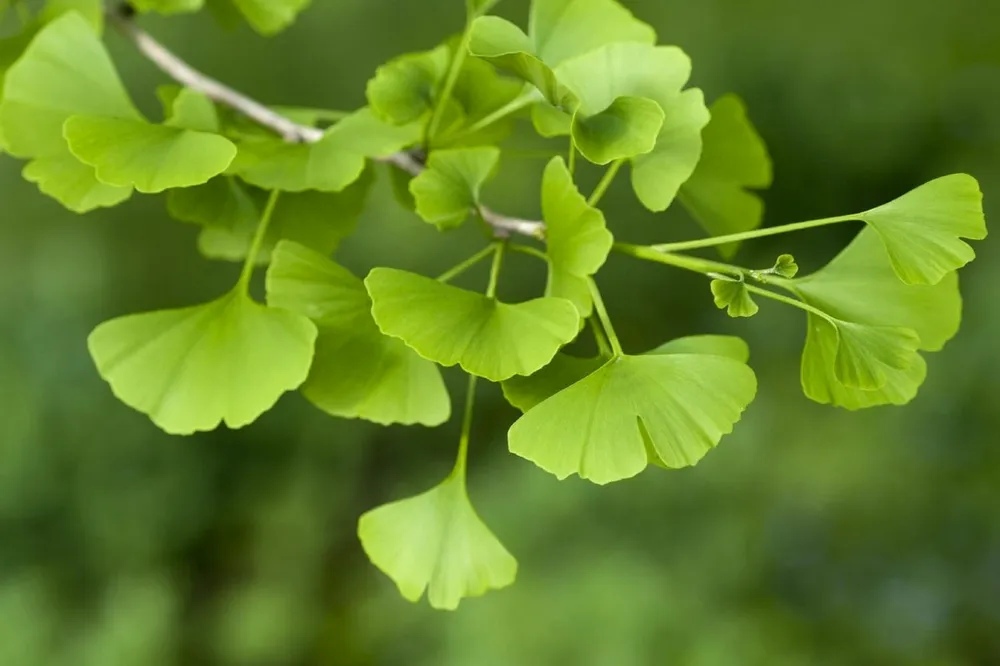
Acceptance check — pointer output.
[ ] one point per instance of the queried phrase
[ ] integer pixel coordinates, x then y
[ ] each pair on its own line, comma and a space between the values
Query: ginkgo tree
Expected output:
281, 187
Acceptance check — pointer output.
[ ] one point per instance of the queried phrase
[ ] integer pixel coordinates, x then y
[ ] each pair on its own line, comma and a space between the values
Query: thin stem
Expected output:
599, 337
781, 298
602, 187
457, 60
258, 239
530, 251
602, 313
695, 264
463, 440
491, 290
457, 270
526, 98
572, 157
749, 235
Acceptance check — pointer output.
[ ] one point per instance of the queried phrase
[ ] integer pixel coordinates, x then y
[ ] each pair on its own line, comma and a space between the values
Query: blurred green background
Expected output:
811, 536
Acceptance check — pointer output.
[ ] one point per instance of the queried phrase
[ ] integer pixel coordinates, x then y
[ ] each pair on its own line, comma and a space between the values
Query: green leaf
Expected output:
270, 16
657, 73
560, 30
577, 238
734, 160
668, 409
405, 88
221, 202
922, 230
194, 368
167, 7
564, 370
92, 10
860, 286
328, 165
358, 372
627, 128
191, 110
150, 158
785, 267
451, 326
436, 542
734, 297
551, 122
65, 71
479, 92
866, 354
446, 191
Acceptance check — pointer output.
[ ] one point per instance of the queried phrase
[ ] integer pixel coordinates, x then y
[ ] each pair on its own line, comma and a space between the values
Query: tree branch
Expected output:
292, 132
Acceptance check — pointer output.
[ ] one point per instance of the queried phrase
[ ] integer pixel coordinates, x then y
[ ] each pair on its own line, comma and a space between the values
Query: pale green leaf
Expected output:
451, 326
329, 165
667, 409
564, 370
627, 128
405, 88
577, 238
734, 161
222, 202
150, 158
191, 369
270, 16
551, 122
867, 354
92, 10
72, 183
785, 266
358, 372
191, 110
445, 192
505, 46
922, 230
436, 542
479, 92
733, 297
167, 6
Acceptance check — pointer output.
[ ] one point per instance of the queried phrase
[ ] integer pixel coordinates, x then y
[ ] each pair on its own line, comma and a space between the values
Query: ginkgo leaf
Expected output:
168, 7
565, 370
559, 30
478, 94
451, 326
627, 128
191, 369
328, 165
449, 187
734, 161
436, 542
358, 372
860, 285
150, 158
270, 16
785, 266
576, 236
657, 73
222, 202
866, 354
670, 409
92, 10
405, 88
192, 110
922, 230
65, 71
734, 297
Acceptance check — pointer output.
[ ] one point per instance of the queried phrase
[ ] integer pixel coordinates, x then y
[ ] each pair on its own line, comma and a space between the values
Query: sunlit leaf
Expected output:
436, 542
669, 409
479, 92
270, 16
627, 128
405, 88
168, 6
92, 10
191, 110
785, 267
329, 165
194, 368
151, 158
358, 372
733, 297
446, 191
577, 238
452, 326
655, 73
734, 161
222, 202
72, 183
922, 230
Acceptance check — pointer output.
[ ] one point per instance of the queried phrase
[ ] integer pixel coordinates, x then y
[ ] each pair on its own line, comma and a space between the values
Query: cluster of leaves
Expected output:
374, 348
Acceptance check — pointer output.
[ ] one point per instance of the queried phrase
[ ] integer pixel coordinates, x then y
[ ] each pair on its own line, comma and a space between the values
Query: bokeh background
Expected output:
811, 536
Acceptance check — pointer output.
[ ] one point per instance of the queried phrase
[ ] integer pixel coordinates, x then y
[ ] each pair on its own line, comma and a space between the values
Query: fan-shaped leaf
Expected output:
577, 238
734, 160
194, 368
669, 409
405, 88
922, 230
151, 158
270, 16
445, 192
358, 372
734, 297
191, 110
436, 542
451, 326
627, 128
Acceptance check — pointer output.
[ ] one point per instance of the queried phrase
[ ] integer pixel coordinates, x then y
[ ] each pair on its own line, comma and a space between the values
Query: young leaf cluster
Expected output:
282, 187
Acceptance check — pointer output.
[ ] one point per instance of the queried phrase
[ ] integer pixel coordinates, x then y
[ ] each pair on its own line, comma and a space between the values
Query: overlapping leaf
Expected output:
358, 372
654, 73
577, 238
436, 542
734, 161
668, 409
451, 326
860, 286
265, 16
446, 191
405, 88
733, 297
329, 165
194, 368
